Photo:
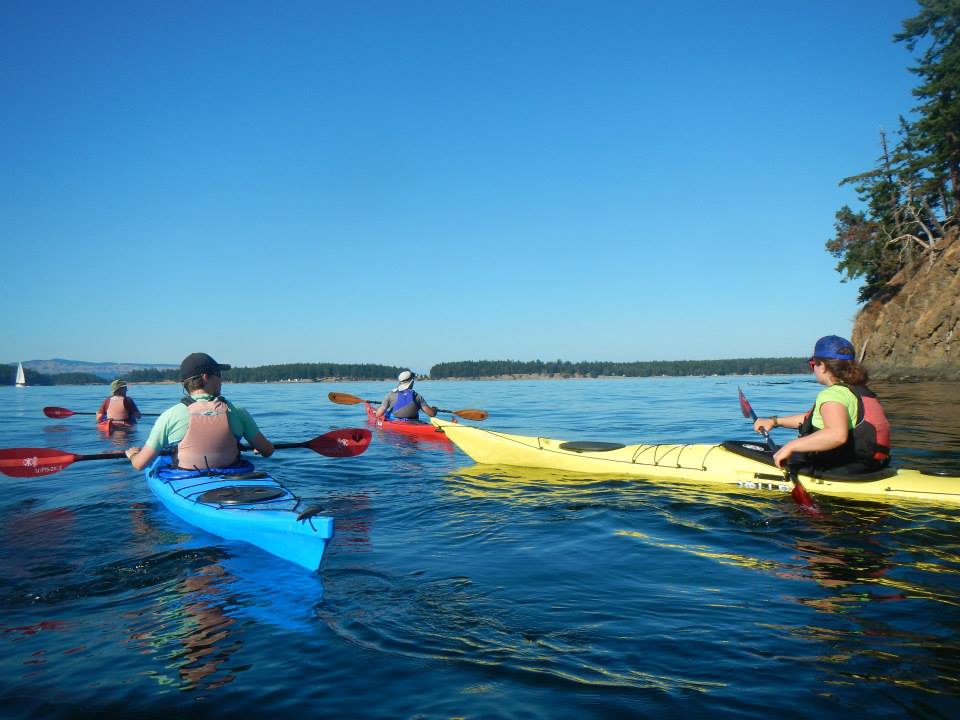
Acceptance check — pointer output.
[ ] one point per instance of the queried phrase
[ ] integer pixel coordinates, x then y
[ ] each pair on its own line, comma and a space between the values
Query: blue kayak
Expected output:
242, 503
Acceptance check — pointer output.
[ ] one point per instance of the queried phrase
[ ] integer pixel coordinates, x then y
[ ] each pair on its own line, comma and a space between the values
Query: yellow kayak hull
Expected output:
698, 462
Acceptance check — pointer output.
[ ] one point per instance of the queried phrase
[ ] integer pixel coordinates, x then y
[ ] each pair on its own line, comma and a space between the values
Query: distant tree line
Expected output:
912, 196
8, 376
280, 373
467, 369
562, 368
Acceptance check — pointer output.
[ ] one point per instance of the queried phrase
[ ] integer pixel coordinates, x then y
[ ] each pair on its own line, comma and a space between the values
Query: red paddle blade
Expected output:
803, 499
341, 443
57, 412
32, 462
745, 405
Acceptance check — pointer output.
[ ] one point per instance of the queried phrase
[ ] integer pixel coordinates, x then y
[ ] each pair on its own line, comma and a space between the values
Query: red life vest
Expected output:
208, 442
117, 408
869, 440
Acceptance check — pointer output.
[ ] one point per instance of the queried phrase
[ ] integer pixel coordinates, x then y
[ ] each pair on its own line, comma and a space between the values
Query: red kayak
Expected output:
112, 426
411, 428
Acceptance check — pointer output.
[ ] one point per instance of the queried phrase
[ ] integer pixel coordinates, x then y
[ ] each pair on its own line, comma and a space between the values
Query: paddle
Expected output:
347, 399
799, 492
31, 462
59, 412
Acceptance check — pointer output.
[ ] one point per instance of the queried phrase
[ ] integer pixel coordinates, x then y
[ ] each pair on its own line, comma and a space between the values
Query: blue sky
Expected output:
417, 182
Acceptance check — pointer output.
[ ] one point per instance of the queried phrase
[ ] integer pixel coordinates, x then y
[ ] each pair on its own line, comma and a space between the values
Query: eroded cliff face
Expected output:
915, 331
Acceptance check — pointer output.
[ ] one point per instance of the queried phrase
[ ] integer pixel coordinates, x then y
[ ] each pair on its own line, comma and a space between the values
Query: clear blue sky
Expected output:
418, 182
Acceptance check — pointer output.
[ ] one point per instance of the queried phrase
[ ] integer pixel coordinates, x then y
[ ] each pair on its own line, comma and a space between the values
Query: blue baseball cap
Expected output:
833, 347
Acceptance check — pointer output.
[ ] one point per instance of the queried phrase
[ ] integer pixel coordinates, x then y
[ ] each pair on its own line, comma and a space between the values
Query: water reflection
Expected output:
56, 429
872, 575
925, 423
195, 624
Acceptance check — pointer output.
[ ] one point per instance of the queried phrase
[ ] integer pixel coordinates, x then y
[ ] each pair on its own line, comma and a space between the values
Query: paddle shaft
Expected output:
33, 462
347, 399
766, 436
58, 412
799, 492
281, 446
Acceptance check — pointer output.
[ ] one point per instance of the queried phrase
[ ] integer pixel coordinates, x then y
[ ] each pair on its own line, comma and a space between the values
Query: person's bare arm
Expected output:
140, 457
262, 445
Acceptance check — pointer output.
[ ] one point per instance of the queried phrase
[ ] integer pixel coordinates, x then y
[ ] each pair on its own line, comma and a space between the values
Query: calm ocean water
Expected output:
456, 590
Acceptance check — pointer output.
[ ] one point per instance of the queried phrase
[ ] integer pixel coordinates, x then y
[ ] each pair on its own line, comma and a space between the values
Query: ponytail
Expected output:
849, 372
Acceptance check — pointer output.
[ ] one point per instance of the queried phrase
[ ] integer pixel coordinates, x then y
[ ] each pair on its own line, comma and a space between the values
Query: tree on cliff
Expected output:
912, 196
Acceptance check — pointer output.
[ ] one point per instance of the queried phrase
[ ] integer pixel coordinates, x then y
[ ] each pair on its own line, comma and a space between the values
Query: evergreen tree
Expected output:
912, 196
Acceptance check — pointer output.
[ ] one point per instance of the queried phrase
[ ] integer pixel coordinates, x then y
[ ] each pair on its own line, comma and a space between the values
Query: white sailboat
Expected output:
21, 377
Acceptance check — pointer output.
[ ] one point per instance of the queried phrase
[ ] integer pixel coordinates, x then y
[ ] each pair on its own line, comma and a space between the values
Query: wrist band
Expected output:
776, 420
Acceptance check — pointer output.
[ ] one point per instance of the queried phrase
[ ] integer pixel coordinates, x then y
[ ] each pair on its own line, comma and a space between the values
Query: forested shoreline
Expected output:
475, 369
466, 370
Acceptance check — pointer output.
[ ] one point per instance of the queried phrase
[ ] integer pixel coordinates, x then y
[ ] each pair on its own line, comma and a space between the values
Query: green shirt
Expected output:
172, 424
837, 394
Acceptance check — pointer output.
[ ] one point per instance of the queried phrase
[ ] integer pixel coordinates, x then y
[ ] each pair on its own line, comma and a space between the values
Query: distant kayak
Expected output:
242, 503
743, 464
412, 428
110, 426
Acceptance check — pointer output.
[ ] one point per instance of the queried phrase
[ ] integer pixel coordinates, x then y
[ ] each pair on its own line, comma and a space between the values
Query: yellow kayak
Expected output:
743, 464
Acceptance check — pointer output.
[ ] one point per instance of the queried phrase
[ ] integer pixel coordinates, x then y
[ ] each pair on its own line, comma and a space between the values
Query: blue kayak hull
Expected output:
246, 506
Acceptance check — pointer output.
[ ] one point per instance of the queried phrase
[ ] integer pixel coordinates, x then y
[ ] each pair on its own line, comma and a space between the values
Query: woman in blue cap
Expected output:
846, 430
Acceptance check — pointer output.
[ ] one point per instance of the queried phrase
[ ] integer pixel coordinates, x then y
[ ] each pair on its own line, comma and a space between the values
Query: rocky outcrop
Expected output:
913, 330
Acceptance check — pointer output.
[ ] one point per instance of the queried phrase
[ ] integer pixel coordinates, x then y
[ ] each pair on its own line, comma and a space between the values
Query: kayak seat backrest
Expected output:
241, 494
749, 449
756, 451
589, 446
241, 469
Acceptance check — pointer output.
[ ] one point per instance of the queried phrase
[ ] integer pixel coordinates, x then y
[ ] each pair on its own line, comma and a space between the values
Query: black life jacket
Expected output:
869, 440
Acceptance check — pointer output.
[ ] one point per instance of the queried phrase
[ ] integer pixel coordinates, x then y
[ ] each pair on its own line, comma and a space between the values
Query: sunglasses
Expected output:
812, 363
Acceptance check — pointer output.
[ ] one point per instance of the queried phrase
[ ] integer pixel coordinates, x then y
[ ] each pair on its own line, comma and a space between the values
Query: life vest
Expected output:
117, 408
208, 442
869, 440
404, 406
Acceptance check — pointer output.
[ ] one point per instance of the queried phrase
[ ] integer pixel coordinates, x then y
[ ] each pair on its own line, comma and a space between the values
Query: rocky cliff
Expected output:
913, 331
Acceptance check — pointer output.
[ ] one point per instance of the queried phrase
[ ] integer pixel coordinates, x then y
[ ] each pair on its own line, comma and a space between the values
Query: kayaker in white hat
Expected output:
403, 402
118, 406
846, 430
204, 426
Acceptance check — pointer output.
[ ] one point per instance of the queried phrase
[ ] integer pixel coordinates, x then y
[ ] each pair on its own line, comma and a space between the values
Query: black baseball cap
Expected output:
196, 364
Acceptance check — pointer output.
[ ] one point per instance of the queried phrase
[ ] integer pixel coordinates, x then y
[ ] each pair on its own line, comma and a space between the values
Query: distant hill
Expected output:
105, 370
